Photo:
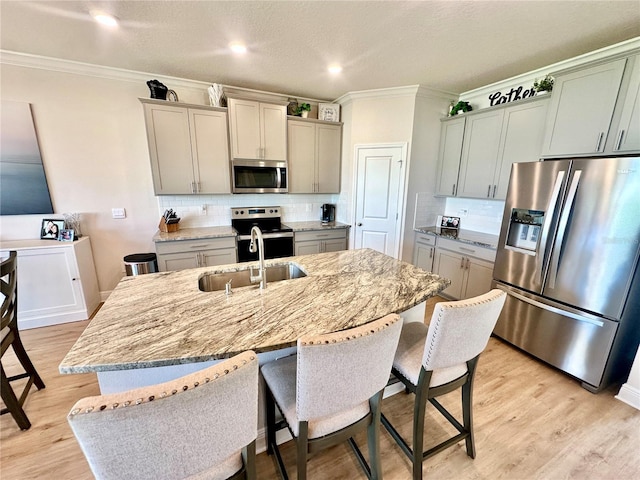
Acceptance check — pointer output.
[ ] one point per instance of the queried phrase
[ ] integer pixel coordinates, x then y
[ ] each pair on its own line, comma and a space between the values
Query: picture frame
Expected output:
51, 228
66, 235
329, 112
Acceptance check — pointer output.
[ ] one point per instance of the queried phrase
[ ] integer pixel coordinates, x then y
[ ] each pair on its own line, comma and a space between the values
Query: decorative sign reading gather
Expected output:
513, 95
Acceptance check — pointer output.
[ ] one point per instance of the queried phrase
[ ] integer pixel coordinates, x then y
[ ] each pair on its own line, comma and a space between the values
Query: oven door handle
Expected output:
267, 236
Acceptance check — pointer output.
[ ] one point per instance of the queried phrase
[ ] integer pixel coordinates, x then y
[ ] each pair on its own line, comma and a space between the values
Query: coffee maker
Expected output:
328, 213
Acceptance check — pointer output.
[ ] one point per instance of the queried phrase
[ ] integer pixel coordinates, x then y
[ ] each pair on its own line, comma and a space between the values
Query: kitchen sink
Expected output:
213, 282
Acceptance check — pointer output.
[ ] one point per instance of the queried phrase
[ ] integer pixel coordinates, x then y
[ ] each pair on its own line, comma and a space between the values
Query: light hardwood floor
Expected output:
531, 422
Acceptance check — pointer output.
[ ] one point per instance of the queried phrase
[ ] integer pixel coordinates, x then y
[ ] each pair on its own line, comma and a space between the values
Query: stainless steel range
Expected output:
278, 238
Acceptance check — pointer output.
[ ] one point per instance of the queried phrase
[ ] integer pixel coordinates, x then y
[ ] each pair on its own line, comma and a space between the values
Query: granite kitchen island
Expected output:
159, 326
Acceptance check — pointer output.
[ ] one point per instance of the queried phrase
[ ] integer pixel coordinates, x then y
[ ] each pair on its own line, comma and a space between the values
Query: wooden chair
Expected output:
438, 359
11, 338
200, 426
331, 390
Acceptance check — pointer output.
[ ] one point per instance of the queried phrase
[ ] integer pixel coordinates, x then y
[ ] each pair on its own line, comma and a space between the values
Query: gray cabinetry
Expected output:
188, 148
314, 156
469, 268
423, 251
592, 110
206, 252
320, 241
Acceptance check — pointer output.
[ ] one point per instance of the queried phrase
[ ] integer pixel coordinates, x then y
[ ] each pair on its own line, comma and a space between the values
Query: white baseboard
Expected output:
629, 395
48, 320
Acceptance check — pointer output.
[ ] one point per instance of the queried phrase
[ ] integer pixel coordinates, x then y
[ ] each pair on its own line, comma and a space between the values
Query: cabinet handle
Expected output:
453, 189
323, 235
431, 253
599, 141
494, 190
619, 142
462, 262
489, 191
199, 246
198, 187
468, 262
470, 250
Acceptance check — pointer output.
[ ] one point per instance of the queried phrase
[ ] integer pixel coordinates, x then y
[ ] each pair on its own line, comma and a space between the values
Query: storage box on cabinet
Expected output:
423, 251
208, 252
188, 148
314, 156
594, 110
469, 268
320, 241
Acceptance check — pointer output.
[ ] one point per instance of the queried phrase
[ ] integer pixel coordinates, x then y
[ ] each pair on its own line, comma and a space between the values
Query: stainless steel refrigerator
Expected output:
568, 259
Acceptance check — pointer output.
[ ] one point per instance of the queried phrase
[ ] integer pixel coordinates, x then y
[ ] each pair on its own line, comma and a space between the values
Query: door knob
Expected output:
359, 224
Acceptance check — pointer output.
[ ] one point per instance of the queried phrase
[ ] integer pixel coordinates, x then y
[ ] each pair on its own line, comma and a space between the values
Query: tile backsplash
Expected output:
479, 215
215, 210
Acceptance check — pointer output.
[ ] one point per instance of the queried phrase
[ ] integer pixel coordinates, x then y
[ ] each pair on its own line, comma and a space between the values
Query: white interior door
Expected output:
378, 193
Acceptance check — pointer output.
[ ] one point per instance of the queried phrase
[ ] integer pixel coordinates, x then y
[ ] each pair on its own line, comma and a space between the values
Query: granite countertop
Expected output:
195, 233
164, 319
479, 239
315, 225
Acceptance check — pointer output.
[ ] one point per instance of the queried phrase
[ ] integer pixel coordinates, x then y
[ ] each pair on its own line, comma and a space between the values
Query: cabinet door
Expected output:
178, 261
336, 245
273, 131
328, 151
308, 248
451, 135
451, 265
522, 135
244, 125
223, 256
423, 257
210, 150
480, 154
169, 149
627, 137
581, 109
302, 151
479, 275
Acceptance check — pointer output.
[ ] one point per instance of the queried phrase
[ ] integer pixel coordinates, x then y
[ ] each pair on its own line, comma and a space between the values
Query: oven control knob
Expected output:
241, 212
271, 211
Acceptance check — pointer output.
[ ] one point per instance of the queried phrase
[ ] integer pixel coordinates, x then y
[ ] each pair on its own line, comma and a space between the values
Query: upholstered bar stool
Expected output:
200, 426
435, 360
332, 390
11, 338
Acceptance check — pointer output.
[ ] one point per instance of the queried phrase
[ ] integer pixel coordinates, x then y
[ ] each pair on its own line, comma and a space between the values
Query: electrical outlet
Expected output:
463, 212
203, 210
118, 213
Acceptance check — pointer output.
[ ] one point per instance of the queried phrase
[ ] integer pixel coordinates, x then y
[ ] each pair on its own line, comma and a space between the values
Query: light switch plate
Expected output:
118, 213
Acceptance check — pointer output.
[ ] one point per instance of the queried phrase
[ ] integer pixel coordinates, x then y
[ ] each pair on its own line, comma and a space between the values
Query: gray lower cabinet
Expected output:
320, 241
423, 251
469, 268
207, 252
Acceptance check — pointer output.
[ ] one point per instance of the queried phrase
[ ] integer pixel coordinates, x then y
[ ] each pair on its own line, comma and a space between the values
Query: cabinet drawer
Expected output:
426, 239
195, 245
320, 235
467, 249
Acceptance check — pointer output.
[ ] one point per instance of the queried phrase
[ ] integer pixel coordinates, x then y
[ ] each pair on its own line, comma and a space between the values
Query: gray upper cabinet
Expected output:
314, 156
258, 130
451, 136
188, 148
485, 144
581, 110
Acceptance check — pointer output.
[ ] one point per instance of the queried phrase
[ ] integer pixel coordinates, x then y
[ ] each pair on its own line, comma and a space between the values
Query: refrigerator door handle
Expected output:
551, 208
562, 227
551, 308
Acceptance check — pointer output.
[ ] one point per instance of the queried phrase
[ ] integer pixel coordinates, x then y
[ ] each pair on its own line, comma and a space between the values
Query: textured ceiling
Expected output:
450, 45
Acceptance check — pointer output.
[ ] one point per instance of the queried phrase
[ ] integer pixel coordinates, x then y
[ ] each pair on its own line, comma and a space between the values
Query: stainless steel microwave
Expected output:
259, 176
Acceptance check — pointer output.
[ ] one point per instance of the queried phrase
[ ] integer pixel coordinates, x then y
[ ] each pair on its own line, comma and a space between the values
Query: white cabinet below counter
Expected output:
469, 267
205, 252
320, 241
423, 251
57, 281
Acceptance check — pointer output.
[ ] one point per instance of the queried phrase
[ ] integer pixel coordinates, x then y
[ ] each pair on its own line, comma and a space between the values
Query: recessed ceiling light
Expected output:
335, 68
105, 19
238, 47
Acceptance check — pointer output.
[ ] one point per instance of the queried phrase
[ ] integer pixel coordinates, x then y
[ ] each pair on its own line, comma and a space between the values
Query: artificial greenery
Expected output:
544, 85
460, 107
302, 107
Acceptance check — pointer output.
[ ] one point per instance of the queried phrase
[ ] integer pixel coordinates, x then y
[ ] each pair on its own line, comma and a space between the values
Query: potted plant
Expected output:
543, 86
303, 110
460, 107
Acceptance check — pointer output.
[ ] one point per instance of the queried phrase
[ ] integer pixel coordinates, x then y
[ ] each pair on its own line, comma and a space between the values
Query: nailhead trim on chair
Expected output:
320, 340
151, 398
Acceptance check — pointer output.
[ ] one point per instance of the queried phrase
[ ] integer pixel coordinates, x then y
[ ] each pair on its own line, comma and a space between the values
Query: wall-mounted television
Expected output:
23, 183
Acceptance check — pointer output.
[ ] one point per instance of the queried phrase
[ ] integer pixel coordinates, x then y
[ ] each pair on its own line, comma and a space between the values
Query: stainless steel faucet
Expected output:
262, 275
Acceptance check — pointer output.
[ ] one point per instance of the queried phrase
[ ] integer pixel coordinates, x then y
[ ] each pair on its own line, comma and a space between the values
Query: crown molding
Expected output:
410, 90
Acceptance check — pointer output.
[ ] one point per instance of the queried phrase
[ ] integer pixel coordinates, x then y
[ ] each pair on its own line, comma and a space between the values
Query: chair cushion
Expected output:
280, 377
408, 359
